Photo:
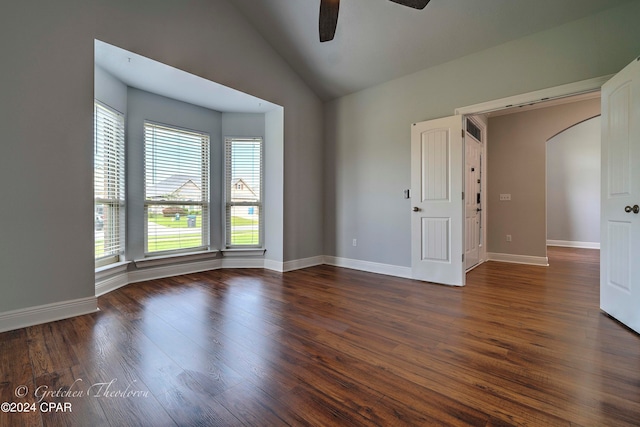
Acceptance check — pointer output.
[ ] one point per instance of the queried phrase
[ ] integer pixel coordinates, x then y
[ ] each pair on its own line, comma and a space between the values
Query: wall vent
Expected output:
474, 130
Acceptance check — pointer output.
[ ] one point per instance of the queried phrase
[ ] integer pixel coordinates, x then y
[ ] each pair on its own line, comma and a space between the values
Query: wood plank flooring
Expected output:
325, 346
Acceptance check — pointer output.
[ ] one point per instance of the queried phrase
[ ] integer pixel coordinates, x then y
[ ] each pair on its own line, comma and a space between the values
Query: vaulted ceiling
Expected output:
378, 40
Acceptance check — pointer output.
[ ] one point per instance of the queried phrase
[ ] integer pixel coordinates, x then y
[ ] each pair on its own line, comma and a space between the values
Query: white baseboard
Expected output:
104, 286
371, 267
37, 315
518, 259
297, 264
573, 244
303, 263
111, 277
242, 263
273, 265
173, 270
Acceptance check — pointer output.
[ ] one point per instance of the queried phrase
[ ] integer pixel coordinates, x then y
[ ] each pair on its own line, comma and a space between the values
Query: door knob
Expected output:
635, 209
416, 209
478, 210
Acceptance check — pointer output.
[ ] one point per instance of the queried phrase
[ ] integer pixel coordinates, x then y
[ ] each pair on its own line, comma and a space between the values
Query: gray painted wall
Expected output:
573, 184
273, 183
368, 133
243, 125
47, 119
110, 91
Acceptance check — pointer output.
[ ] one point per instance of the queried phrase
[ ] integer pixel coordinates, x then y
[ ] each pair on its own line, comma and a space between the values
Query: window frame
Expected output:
228, 204
117, 157
204, 204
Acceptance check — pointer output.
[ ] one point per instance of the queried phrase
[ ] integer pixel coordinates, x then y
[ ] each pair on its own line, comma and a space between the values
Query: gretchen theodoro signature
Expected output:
107, 390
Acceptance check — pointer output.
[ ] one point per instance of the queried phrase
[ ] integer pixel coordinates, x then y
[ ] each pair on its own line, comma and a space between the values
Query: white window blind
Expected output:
109, 184
176, 189
243, 192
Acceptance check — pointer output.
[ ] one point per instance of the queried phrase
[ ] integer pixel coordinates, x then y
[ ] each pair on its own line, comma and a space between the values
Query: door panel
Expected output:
436, 197
620, 225
473, 207
435, 239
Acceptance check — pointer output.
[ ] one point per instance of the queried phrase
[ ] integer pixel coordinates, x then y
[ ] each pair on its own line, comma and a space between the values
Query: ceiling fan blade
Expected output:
328, 19
416, 4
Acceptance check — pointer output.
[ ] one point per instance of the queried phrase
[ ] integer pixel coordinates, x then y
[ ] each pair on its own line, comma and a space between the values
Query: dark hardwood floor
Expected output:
325, 346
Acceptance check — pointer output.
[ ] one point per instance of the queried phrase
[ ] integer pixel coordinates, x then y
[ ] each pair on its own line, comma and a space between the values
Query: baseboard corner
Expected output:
30, 316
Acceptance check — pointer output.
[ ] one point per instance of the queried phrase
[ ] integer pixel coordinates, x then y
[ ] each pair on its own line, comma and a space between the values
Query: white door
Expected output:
620, 216
472, 202
437, 224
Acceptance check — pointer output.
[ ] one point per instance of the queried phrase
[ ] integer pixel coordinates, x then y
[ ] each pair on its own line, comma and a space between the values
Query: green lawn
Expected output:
238, 220
99, 248
190, 240
170, 221
245, 237
168, 243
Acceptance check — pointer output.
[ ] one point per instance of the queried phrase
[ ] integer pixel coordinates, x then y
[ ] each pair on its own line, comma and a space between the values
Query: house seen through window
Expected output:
243, 193
176, 189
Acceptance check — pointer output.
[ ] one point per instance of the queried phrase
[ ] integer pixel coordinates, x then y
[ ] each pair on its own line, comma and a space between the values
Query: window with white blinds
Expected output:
176, 189
243, 192
108, 184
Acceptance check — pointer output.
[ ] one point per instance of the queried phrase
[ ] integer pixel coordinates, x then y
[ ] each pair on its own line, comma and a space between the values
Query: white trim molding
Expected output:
371, 267
572, 244
164, 271
37, 315
274, 265
156, 261
570, 89
242, 263
106, 285
302, 263
518, 259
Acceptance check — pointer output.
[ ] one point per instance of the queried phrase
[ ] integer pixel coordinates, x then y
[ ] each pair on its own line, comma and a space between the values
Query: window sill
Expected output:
111, 269
170, 259
238, 252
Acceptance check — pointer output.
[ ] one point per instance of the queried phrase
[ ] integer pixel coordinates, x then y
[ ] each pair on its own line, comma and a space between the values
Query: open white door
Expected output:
620, 216
473, 201
437, 222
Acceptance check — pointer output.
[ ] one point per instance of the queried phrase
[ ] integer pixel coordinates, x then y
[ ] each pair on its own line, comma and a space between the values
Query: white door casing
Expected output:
472, 202
437, 221
620, 225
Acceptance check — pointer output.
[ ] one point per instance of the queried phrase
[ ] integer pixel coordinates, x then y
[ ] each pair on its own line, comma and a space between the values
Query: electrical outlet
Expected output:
508, 237
505, 197
355, 242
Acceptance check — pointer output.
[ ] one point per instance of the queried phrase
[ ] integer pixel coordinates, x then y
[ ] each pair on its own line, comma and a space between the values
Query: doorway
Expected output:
518, 189
449, 236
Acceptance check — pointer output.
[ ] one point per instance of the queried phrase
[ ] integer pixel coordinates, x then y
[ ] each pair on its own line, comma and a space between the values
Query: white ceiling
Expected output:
378, 40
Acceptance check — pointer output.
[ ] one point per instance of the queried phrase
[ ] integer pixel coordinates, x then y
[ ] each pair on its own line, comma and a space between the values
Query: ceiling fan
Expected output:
329, 15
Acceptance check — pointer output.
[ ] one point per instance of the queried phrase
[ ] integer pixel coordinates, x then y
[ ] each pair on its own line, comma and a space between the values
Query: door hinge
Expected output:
463, 195
462, 133
462, 257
